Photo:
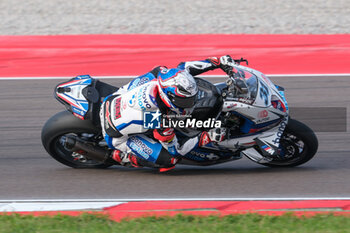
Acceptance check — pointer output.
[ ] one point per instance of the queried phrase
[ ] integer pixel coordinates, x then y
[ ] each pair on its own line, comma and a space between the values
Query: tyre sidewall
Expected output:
309, 138
63, 123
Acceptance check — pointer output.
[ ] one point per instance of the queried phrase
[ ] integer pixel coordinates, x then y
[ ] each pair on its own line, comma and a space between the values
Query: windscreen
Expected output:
252, 83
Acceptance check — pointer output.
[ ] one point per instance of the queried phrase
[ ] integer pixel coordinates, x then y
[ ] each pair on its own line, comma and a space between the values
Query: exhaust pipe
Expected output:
76, 144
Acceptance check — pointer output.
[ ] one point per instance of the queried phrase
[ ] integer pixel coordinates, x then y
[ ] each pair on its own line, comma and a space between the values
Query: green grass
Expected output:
184, 224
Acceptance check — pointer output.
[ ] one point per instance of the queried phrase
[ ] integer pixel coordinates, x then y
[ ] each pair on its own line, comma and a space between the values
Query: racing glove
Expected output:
213, 135
227, 65
217, 134
164, 135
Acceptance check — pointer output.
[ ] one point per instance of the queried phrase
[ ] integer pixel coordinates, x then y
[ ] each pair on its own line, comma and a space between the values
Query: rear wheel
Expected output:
58, 127
298, 145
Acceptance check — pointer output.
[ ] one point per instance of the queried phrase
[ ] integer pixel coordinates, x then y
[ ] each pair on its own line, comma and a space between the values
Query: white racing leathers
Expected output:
122, 118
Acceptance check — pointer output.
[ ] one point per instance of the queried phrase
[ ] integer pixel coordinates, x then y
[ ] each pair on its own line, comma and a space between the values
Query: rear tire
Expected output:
64, 123
299, 144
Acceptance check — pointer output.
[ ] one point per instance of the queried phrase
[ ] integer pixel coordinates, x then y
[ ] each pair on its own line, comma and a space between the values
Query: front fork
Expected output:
261, 147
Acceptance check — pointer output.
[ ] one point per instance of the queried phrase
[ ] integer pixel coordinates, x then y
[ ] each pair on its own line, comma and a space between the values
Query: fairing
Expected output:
71, 95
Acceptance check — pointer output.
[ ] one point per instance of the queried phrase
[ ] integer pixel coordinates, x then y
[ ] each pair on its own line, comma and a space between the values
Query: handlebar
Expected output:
239, 61
237, 81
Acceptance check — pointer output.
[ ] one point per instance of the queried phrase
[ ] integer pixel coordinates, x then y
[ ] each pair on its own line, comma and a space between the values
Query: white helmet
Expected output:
177, 89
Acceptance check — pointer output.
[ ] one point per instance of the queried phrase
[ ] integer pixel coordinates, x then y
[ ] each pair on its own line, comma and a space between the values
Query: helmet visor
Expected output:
183, 102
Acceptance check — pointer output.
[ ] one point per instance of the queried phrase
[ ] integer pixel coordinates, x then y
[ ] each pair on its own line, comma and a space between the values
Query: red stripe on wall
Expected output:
104, 55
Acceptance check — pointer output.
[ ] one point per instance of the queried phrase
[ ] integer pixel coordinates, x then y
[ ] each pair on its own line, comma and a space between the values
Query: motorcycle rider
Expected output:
163, 91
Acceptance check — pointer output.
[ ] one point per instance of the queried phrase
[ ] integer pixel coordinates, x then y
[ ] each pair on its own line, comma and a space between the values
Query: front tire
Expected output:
64, 123
298, 145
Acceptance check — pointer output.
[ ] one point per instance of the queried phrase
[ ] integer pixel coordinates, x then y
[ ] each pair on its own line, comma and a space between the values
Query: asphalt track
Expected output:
28, 172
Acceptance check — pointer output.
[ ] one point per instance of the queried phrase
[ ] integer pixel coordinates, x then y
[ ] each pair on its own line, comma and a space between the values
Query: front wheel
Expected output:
298, 145
64, 124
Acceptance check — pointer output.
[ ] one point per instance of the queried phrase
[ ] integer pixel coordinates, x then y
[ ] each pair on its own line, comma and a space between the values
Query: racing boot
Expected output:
121, 158
170, 166
128, 159
136, 161
132, 160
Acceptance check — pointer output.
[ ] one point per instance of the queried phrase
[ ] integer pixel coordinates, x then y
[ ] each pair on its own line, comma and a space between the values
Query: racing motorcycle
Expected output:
256, 119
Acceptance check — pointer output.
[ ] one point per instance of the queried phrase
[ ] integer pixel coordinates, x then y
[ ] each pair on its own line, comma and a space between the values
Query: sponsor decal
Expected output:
231, 105
140, 147
78, 111
280, 131
153, 99
284, 99
117, 109
77, 115
142, 99
278, 105
143, 80
138, 82
264, 93
108, 122
210, 156
268, 149
263, 114
132, 101
245, 100
193, 157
